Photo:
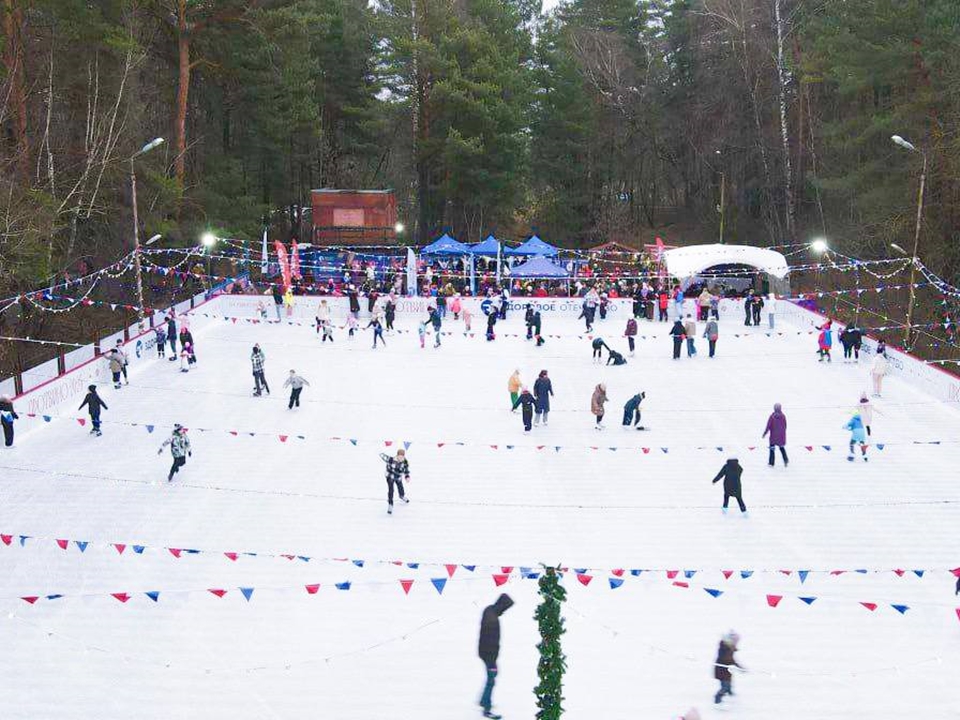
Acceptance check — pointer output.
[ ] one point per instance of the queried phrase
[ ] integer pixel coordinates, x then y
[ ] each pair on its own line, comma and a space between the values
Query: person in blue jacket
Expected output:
858, 434
631, 411
542, 390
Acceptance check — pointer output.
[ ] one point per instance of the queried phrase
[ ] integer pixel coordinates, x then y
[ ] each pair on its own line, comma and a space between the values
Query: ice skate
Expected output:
390, 509
491, 714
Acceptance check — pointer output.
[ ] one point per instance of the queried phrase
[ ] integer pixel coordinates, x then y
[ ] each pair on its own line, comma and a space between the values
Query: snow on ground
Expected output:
644, 650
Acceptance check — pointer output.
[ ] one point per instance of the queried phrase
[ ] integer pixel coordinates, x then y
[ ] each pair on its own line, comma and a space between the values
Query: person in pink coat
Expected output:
455, 307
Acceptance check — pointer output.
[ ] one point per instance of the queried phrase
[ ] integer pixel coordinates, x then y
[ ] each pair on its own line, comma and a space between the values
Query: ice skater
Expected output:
528, 319
542, 390
598, 346
390, 313
858, 436
160, 337
597, 401
732, 488
879, 369
296, 383
94, 404
172, 336
491, 325
437, 322
777, 430
631, 412
631, 334
615, 358
377, 331
678, 335
257, 359
398, 470
690, 333
748, 309
186, 338
711, 332
351, 325
537, 326
187, 358
124, 360
865, 408
526, 399
825, 340
179, 448
116, 364
422, 332
513, 387
7, 416
756, 308
322, 318
725, 660
489, 649
846, 340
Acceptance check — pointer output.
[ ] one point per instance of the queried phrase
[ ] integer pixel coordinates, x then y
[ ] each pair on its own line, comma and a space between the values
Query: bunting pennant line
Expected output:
118, 549
284, 438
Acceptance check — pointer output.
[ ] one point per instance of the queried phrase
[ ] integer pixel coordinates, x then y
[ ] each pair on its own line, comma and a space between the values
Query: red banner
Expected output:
295, 260
284, 263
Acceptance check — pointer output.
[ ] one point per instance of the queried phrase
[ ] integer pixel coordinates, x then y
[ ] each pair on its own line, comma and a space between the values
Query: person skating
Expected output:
322, 319
160, 337
678, 335
879, 369
865, 408
455, 306
257, 359
491, 324
377, 331
747, 309
467, 319
513, 386
690, 333
422, 332
856, 341
353, 298
489, 649
390, 313
537, 325
858, 436
542, 390
777, 430
398, 470
615, 358
526, 399
756, 308
771, 310
825, 340
116, 364
598, 345
732, 488
179, 448
94, 404
436, 321
597, 401
186, 338
631, 411
172, 336
725, 660
703, 303
631, 334
187, 357
351, 325
528, 319
663, 303
711, 332
846, 340
124, 360
296, 384
277, 301
7, 416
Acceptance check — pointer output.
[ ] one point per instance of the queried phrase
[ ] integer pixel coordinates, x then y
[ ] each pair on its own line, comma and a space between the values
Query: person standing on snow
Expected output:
160, 337
526, 399
678, 335
489, 648
94, 403
513, 386
703, 303
390, 312
858, 435
757, 307
725, 661
542, 390
597, 401
398, 470
116, 363
748, 308
711, 332
257, 358
528, 319
436, 322
277, 301
377, 331
179, 447
322, 318
856, 341
847, 342
777, 429
124, 360
631, 411
296, 384
663, 302
491, 324
7, 416
732, 488
537, 325
690, 332
631, 334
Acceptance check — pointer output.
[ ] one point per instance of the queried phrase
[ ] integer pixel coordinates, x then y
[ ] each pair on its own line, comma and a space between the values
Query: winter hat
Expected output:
731, 638
864, 398
777, 408
92, 388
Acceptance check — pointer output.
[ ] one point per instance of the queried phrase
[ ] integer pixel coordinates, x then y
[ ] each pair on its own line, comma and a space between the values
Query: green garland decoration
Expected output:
553, 663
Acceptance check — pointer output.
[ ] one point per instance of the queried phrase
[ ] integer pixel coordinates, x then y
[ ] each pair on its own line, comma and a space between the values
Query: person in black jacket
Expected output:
277, 301
527, 400
537, 324
847, 341
731, 473
93, 403
436, 321
756, 308
390, 314
598, 345
7, 416
725, 661
172, 336
856, 341
398, 470
491, 324
747, 309
489, 648
678, 334
542, 390
528, 319
631, 411
615, 358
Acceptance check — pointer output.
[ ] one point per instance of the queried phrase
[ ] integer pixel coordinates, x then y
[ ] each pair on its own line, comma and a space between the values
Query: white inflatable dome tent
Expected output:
687, 263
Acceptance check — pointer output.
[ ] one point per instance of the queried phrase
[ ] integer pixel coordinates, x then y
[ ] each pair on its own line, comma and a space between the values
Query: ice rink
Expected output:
487, 500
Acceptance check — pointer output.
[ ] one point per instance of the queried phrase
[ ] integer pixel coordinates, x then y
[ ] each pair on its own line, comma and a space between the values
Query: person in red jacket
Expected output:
663, 302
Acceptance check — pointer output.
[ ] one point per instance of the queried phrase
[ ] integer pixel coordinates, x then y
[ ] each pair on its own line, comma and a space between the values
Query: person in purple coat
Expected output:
777, 429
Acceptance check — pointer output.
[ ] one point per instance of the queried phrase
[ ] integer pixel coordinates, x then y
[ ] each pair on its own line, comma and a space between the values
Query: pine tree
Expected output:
553, 663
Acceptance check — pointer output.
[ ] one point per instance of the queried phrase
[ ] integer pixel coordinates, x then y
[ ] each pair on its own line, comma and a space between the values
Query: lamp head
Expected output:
153, 239
898, 248
819, 245
897, 140
208, 239
399, 228
151, 145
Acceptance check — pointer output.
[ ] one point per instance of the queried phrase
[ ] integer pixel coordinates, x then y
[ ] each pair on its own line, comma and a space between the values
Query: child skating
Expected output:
732, 487
93, 403
179, 448
398, 470
296, 383
858, 436
631, 411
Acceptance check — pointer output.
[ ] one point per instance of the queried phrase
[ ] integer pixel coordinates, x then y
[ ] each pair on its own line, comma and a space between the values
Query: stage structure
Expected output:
354, 217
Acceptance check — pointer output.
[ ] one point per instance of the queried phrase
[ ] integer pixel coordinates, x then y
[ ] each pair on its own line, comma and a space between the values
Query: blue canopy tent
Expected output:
447, 246
490, 247
534, 246
539, 267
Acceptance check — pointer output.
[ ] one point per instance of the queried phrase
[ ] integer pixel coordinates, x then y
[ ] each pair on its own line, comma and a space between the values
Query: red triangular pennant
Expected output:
33, 598
406, 585
506, 570
122, 597
899, 572
63, 544
175, 552
283, 438
646, 451
7, 539
869, 606
500, 579
231, 555
82, 421
671, 574
727, 574
217, 591
120, 548
774, 600
618, 572
451, 569
680, 583
584, 578
312, 589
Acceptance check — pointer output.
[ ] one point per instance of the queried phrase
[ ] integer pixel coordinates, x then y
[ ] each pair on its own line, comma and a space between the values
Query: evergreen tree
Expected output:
553, 663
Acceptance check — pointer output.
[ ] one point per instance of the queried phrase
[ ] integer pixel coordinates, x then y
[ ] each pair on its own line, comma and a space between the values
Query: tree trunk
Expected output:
13, 62
183, 91
784, 130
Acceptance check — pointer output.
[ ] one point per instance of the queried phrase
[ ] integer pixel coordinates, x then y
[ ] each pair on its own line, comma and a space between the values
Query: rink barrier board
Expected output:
46, 390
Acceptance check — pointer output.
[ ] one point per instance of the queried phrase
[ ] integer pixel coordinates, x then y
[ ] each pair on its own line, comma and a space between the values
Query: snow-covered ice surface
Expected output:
644, 650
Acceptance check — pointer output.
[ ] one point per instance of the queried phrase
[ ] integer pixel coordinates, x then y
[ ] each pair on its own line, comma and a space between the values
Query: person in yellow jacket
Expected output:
288, 301
513, 385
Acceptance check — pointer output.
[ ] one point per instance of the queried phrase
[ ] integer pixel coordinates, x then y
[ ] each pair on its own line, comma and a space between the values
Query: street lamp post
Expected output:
723, 190
916, 237
136, 226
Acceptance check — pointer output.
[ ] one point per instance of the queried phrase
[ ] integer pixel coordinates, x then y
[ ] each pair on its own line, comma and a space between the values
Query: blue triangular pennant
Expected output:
826, 447
919, 573
862, 571
153, 595
689, 573
471, 568
247, 592
82, 544
305, 558
719, 449
343, 585
557, 448
665, 449
58, 596
615, 583
713, 592
880, 446
353, 441
47, 418
358, 563
138, 549
509, 447
149, 428
23, 540
439, 584
413, 566
900, 608
635, 572
803, 575
531, 575
746, 573
406, 445
808, 600
525, 570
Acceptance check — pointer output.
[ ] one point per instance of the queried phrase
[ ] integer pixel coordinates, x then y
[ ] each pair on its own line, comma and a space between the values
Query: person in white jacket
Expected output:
879, 368
296, 383
865, 408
